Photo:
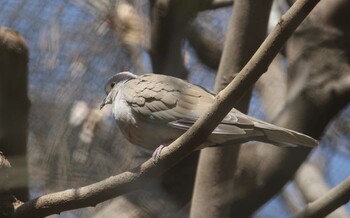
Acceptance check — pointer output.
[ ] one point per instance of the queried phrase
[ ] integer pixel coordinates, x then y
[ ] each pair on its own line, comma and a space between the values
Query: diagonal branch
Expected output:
326, 204
129, 181
312, 185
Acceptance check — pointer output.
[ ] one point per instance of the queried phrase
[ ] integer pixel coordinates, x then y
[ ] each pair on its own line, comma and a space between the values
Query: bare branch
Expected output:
323, 206
184, 145
313, 186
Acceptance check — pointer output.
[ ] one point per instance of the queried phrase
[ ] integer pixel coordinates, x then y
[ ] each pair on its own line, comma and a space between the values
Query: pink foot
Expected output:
156, 153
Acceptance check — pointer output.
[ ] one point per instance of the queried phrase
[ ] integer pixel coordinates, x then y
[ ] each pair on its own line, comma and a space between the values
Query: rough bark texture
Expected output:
318, 88
216, 165
14, 108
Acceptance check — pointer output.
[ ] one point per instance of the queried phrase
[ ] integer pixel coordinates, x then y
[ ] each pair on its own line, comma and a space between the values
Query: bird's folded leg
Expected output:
156, 153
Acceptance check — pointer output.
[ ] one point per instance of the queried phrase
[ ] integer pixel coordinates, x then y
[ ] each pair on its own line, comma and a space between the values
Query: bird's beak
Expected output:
103, 103
110, 97
107, 100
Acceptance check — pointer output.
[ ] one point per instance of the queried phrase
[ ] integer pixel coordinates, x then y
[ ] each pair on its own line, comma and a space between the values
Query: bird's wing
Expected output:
232, 124
174, 102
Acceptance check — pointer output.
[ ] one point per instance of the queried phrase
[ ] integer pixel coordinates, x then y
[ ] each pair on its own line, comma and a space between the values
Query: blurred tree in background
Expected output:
75, 45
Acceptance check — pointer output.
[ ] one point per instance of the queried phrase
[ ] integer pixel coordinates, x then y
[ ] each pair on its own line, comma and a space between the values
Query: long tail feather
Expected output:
286, 137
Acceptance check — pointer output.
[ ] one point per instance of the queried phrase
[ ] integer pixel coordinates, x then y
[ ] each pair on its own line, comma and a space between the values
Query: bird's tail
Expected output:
284, 137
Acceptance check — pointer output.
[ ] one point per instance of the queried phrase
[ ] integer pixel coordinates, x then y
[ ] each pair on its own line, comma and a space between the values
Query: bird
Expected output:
153, 110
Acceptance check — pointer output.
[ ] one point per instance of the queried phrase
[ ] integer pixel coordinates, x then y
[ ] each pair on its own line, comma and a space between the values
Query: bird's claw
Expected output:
156, 153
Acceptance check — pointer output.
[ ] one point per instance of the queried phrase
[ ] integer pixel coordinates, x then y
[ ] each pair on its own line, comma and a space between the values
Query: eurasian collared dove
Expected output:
153, 110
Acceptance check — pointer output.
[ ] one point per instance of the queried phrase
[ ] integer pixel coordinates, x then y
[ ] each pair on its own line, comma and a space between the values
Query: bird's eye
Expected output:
112, 84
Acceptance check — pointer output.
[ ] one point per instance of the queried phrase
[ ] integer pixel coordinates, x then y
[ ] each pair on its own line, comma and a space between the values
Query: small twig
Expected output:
312, 185
332, 200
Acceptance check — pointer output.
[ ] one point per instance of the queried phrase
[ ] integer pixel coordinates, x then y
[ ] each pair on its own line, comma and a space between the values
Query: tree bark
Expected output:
14, 108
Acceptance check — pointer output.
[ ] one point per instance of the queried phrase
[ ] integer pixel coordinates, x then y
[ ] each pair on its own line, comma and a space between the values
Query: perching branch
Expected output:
332, 200
137, 178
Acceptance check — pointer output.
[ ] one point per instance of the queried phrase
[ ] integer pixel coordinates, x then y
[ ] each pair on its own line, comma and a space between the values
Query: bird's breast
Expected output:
141, 130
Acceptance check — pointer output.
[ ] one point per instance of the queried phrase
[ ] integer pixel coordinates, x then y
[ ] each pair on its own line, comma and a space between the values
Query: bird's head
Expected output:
113, 85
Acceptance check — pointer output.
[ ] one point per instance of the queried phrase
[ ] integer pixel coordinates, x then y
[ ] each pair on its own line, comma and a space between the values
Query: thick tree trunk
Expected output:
14, 108
216, 166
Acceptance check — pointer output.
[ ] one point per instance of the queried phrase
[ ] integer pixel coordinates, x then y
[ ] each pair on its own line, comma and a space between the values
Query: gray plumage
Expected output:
153, 110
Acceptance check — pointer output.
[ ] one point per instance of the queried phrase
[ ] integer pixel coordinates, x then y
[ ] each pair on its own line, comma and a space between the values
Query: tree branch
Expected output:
312, 186
323, 206
184, 145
